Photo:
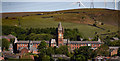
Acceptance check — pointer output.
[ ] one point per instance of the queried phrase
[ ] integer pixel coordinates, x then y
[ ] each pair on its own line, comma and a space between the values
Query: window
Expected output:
95, 45
60, 44
89, 44
19, 48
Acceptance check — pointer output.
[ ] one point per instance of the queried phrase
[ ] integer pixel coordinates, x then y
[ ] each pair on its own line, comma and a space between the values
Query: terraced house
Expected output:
31, 46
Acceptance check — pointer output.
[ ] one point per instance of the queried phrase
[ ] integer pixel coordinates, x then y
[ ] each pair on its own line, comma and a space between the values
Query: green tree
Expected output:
45, 58
103, 50
50, 51
42, 47
80, 58
62, 50
5, 44
85, 51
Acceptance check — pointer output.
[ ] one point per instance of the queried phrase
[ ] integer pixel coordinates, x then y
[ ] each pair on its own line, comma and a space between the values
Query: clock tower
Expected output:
60, 35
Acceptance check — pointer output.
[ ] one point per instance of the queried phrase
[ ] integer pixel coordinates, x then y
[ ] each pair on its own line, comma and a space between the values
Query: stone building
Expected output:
113, 50
32, 45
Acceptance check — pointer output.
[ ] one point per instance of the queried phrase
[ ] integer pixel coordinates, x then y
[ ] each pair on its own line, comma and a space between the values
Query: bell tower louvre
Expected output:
60, 35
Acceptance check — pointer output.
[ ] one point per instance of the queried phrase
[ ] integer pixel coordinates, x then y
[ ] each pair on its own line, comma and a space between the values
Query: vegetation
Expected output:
71, 19
83, 53
77, 23
39, 34
103, 50
5, 44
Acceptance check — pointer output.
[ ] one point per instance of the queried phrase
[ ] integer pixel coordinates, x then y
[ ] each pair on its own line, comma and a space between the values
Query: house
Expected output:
99, 58
11, 48
113, 50
115, 58
0, 49
8, 37
57, 56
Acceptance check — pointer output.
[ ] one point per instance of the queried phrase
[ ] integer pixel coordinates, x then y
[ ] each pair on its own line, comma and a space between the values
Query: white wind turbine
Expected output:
80, 3
105, 4
114, 4
92, 4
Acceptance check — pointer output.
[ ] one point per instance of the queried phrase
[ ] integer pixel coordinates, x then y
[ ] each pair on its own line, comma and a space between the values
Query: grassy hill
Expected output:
76, 18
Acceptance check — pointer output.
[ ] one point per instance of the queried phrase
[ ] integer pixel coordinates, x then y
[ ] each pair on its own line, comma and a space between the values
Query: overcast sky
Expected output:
50, 6
56, 0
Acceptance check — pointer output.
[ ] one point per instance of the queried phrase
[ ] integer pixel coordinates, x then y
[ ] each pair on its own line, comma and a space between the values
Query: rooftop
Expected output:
31, 42
85, 42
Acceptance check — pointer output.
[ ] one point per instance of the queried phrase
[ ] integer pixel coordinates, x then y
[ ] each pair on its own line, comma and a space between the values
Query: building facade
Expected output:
32, 45
113, 50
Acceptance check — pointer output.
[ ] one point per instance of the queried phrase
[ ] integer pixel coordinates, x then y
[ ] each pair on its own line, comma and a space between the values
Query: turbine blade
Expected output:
82, 4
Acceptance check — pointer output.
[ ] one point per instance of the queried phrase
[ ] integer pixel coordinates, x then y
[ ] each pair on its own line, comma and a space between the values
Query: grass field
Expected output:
69, 20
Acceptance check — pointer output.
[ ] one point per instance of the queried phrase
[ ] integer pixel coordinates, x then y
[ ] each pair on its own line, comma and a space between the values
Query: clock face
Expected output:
60, 35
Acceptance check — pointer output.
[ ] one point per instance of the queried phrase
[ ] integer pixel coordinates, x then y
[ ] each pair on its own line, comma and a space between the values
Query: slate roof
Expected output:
7, 37
87, 42
60, 55
31, 42
66, 41
22, 42
53, 41
113, 47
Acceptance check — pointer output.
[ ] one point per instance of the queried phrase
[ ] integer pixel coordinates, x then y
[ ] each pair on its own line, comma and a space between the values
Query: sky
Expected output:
49, 6
56, 0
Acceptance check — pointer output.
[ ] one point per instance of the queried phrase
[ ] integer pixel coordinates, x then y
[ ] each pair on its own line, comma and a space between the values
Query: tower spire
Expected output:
59, 26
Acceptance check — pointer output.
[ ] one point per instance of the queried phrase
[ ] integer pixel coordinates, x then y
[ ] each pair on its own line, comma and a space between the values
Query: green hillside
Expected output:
77, 18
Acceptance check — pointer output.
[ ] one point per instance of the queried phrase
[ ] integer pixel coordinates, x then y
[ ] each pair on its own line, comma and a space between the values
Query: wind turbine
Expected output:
80, 3
115, 5
105, 3
92, 4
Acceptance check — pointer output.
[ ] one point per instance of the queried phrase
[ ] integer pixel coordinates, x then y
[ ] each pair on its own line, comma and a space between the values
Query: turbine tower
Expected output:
115, 5
92, 4
105, 3
80, 3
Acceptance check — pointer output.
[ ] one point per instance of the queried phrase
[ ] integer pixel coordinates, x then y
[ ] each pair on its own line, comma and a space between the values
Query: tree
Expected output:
50, 51
103, 50
95, 38
84, 51
5, 44
42, 47
118, 52
94, 24
62, 50
80, 58
45, 58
